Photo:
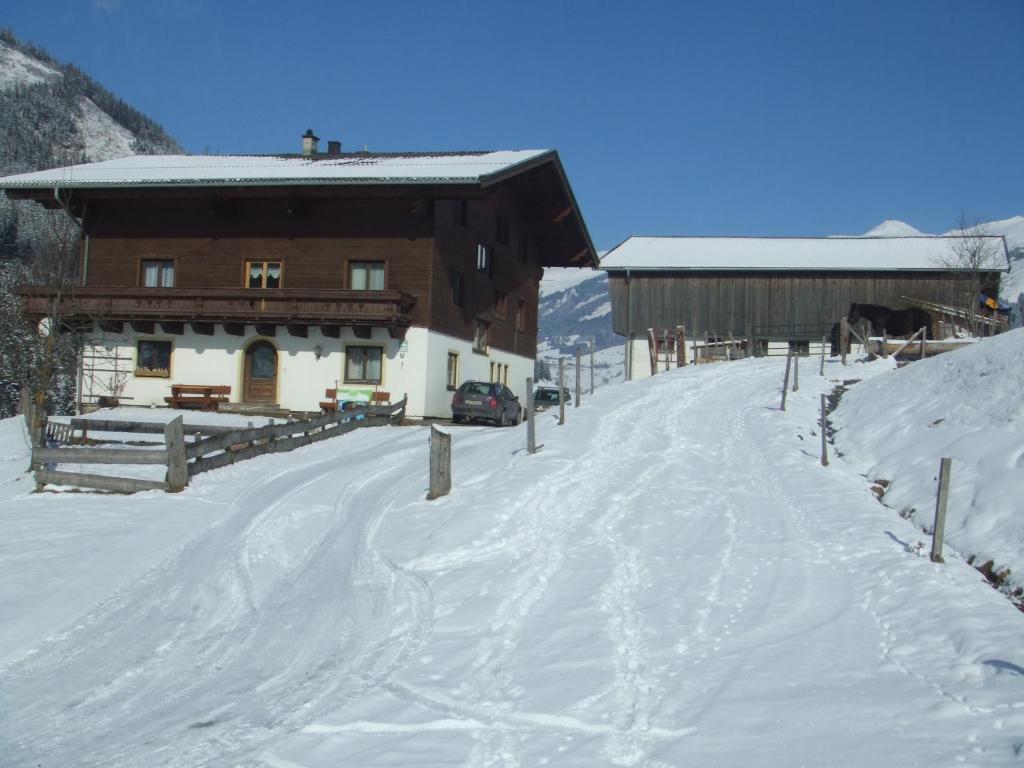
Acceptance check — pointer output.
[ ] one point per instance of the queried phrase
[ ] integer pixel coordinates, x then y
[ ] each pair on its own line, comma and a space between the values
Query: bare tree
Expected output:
975, 259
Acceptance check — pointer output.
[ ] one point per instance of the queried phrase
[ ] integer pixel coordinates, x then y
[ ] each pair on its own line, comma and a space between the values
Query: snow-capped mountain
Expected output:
893, 228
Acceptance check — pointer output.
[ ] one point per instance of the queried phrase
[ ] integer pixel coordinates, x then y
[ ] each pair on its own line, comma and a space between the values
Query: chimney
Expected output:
309, 143
333, 147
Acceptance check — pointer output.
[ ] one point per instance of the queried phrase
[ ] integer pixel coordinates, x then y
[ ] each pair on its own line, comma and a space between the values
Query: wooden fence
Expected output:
211, 446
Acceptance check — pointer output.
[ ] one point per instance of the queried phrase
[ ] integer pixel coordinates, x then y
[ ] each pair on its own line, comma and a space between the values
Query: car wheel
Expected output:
456, 419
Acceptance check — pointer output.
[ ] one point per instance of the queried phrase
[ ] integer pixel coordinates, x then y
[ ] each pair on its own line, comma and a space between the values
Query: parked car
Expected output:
545, 397
485, 401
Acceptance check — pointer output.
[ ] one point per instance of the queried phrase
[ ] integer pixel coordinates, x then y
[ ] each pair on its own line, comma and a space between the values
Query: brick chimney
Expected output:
309, 143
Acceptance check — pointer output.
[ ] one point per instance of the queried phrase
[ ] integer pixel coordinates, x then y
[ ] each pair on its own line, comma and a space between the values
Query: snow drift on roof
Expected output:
783, 253
202, 170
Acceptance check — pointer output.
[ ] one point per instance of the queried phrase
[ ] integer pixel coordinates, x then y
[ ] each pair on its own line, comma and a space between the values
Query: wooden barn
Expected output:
771, 292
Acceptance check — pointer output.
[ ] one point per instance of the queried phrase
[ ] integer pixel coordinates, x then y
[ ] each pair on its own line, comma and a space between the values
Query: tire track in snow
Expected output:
169, 687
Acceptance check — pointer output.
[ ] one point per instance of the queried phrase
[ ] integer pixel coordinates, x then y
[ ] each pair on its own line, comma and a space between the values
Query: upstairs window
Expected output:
484, 259
457, 289
480, 337
158, 273
263, 274
363, 365
366, 275
501, 230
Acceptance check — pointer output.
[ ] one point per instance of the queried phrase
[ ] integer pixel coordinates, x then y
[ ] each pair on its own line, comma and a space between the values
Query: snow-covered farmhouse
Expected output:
285, 276
773, 291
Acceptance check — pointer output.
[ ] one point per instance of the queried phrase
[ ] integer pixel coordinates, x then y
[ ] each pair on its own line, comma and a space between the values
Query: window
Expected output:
520, 315
501, 304
158, 273
453, 370
457, 289
363, 365
484, 262
153, 358
366, 275
263, 274
480, 337
499, 373
501, 230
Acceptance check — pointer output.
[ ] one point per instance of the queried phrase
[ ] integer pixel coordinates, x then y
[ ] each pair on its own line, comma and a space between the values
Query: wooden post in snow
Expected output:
652, 344
945, 468
561, 391
924, 336
885, 342
579, 384
785, 380
821, 365
531, 435
440, 463
824, 431
796, 370
680, 346
844, 337
177, 460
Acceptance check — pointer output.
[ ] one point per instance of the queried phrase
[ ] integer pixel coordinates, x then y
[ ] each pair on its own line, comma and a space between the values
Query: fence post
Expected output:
824, 442
561, 391
592, 366
885, 343
844, 337
531, 435
796, 369
785, 380
924, 336
945, 467
579, 386
681, 346
440, 463
177, 460
821, 366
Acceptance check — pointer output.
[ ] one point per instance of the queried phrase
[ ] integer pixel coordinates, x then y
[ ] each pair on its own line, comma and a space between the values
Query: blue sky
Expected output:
733, 118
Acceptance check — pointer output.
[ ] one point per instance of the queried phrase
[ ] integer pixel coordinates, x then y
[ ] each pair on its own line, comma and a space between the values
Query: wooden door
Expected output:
260, 377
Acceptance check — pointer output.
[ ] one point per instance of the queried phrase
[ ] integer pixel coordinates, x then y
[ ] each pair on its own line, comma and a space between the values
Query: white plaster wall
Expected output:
416, 367
220, 358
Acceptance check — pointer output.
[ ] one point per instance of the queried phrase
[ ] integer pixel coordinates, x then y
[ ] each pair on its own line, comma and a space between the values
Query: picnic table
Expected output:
205, 397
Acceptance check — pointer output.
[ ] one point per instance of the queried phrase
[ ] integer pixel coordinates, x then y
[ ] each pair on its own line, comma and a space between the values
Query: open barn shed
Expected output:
774, 292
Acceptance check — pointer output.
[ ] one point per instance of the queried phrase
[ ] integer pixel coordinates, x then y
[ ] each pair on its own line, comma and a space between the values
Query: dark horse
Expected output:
895, 322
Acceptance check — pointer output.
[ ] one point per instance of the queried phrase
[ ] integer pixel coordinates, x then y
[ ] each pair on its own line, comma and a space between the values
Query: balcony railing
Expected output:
223, 305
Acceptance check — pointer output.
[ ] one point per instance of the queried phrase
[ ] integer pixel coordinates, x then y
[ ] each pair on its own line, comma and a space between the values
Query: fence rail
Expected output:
212, 447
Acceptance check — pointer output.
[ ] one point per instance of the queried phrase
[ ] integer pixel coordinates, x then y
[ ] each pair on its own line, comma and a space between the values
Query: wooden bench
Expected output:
205, 397
380, 398
330, 405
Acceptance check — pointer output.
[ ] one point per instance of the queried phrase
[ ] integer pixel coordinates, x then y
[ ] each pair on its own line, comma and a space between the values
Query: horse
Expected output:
894, 322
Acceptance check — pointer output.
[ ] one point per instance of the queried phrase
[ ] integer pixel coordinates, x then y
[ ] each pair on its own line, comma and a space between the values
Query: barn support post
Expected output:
824, 434
785, 380
821, 364
440, 463
796, 370
531, 434
924, 337
885, 343
627, 358
750, 339
652, 343
945, 468
561, 391
844, 337
681, 346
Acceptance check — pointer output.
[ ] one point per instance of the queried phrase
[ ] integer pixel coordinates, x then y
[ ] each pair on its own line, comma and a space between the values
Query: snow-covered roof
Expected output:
785, 253
247, 170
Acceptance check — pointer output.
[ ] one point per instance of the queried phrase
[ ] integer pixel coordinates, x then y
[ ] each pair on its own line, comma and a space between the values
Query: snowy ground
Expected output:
672, 580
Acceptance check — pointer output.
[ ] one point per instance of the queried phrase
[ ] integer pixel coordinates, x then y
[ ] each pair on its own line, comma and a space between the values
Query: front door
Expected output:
260, 377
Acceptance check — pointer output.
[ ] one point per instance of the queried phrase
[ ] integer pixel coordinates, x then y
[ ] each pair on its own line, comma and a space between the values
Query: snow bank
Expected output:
967, 405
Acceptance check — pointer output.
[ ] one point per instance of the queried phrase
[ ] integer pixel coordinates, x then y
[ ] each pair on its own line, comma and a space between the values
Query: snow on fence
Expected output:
211, 446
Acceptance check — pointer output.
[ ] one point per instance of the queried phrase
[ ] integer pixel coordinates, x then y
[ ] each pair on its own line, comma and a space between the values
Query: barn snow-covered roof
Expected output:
786, 253
362, 168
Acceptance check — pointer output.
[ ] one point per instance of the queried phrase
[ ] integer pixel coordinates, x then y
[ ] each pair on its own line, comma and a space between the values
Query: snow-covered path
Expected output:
674, 579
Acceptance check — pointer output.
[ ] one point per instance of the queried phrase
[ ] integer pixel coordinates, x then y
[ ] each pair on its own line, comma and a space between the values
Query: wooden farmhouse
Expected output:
776, 292
285, 276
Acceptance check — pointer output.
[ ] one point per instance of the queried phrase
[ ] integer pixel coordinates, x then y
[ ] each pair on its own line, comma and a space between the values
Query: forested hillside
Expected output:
51, 114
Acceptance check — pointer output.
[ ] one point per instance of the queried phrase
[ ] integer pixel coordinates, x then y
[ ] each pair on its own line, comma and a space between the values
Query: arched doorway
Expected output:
259, 379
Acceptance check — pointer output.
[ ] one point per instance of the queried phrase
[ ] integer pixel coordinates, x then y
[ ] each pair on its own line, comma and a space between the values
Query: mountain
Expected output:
893, 228
53, 114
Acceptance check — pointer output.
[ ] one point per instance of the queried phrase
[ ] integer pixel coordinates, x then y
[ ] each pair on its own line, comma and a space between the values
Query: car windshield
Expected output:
475, 388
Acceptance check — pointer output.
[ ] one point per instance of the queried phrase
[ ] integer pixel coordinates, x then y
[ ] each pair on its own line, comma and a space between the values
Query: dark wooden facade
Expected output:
423, 234
771, 304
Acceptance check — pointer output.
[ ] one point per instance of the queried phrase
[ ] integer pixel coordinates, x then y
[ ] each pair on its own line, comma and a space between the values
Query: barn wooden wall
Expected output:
782, 304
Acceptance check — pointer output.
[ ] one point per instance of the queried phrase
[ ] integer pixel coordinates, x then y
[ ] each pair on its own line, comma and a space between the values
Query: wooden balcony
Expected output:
223, 305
